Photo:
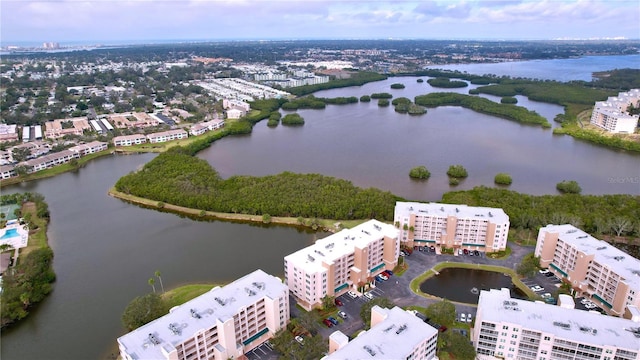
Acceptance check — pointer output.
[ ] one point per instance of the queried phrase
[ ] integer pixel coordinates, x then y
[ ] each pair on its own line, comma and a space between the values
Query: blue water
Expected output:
9, 234
558, 69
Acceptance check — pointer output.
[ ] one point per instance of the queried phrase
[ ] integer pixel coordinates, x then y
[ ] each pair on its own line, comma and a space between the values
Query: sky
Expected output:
104, 21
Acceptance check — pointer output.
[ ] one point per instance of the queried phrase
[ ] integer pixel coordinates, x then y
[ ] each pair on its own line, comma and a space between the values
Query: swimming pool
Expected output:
9, 234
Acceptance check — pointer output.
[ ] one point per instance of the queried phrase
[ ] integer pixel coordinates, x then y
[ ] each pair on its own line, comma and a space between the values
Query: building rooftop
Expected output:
153, 340
393, 338
623, 264
342, 243
577, 325
495, 215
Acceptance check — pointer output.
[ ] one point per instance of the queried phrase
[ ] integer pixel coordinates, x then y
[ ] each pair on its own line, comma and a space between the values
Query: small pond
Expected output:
464, 285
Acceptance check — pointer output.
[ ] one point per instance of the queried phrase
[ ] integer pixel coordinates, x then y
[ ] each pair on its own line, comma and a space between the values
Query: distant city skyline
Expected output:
120, 21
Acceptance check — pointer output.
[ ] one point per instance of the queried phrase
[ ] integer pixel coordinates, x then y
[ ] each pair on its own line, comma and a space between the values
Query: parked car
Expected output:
389, 272
432, 248
463, 317
476, 252
546, 295
402, 253
352, 294
368, 295
338, 302
342, 314
543, 271
537, 288
383, 276
333, 320
469, 317
300, 339
548, 274
460, 252
465, 251
328, 323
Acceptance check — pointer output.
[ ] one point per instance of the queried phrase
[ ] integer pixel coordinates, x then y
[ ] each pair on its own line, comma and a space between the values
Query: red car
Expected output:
327, 322
388, 273
339, 302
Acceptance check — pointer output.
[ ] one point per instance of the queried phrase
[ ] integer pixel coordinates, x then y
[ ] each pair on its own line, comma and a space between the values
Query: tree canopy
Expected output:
142, 310
443, 313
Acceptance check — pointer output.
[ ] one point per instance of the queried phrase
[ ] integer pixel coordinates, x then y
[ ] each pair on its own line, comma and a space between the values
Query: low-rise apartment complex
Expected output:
452, 226
593, 267
507, 328
612, 115
221, 324
346, 260
394, 334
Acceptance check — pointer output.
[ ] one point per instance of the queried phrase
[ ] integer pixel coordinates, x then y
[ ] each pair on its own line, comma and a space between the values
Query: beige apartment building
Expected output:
594, 268
224, 323
340, 262
452, 226
507, 328
394, 334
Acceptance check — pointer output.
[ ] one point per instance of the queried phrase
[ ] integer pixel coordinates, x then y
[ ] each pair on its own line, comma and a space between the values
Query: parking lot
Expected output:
263, 352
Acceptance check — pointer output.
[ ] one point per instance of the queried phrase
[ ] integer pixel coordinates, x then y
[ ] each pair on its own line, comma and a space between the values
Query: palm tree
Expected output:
152, 283
157, 273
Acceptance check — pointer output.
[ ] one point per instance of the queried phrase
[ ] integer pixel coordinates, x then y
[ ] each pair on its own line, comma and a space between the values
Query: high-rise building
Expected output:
507, 328
346, 260
592, 267
224, 323
612, 115
452, 226
394, 334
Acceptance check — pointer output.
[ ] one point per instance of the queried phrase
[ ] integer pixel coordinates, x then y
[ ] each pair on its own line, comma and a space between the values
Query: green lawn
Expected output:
182, 294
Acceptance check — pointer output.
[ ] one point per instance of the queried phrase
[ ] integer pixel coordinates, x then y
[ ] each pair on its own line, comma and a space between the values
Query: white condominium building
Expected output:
507, 328
612, 115
593, 267
394, 334
346, 260
221, 324
452, 226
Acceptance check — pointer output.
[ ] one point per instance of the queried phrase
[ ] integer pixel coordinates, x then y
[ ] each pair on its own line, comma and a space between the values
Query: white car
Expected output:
383, 277
537, 288
463, 317
543, 271
342, 314
300, 339
546, 295
352, 294
368, 295
469, 317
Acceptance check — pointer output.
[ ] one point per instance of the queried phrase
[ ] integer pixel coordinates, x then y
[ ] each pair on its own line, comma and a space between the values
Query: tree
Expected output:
308, 319
621, 225
457, 171
143, 309
419, 172
365, 310
529, 265
21, 154
503, 179
569, 187
152, 283
443, 312
328, 302
457, 345
157, 274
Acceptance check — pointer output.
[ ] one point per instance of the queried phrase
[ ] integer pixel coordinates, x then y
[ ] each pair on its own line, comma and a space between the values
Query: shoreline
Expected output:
327, 225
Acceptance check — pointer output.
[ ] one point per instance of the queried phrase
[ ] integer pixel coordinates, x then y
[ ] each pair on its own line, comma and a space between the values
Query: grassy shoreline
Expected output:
324, 224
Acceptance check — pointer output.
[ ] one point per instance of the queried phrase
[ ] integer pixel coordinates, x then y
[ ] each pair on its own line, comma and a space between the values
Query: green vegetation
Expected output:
455, 345
381, 96
312, 102
383, 103
397, 86
529, 265
181, 295
444, 82
365, 98
356, 79
274, 119
365, 310
419, 172
618, 79
400, 101
314, 346
482, 105
29, 281
549, 92
457, 171
292, 119
503, 179
595, 214
618, 141
443, 313
142, 310
569, 187
177, 177
508, 100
